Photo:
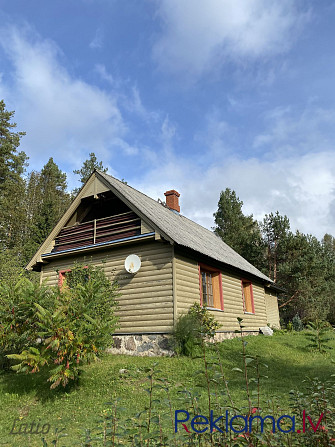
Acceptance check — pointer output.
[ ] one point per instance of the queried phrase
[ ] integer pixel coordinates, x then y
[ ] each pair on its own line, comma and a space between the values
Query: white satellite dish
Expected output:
132, 263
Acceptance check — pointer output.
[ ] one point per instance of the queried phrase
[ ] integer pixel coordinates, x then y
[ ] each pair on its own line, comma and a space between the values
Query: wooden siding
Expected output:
94, 188
188, 292
146, 301
145, 227
187, 284
272, 310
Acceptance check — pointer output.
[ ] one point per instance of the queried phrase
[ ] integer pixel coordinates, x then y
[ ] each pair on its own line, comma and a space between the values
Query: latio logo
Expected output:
240, 423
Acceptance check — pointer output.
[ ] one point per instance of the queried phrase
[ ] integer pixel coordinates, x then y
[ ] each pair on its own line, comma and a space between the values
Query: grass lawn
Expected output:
29, 399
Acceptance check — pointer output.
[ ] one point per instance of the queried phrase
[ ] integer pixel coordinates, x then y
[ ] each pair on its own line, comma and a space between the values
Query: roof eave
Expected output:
274, 286
225, 265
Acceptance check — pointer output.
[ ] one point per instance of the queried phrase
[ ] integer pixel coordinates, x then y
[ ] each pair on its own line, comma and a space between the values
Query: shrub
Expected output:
319, 334
19, 322
74, 329
297, 324
289, 326
192, 329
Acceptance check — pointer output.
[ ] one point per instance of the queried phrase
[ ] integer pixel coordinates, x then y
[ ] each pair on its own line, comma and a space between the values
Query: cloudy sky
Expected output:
185, 94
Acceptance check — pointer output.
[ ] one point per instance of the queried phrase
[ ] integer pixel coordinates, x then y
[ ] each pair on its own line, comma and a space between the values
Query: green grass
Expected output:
29, 398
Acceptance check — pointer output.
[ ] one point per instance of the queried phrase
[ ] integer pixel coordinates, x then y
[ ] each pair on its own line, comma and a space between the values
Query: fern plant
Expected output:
75, 329
18, 319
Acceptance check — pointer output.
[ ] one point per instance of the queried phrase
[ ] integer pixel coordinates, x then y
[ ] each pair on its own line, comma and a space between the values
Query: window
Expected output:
210, 287
248, 297
84, 276
61, 277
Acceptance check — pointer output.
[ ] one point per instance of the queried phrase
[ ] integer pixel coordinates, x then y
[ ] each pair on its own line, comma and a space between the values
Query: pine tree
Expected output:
12, 166
328, 242
304, 274
302, 266
47, 200
240, 232
328, 255
12, 163
275, 228
86, 170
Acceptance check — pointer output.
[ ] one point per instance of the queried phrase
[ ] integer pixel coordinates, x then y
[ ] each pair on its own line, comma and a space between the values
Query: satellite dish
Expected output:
132, 263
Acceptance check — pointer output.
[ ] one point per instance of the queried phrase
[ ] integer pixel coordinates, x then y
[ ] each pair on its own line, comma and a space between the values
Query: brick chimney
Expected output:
172, 200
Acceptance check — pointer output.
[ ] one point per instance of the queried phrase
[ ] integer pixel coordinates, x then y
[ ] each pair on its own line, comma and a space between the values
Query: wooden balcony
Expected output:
96, 231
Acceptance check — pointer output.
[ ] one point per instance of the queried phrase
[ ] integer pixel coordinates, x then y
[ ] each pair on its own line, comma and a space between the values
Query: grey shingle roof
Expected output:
181, 230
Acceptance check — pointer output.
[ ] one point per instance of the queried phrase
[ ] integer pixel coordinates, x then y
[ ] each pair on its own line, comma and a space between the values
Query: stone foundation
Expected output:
157, 344
142, 345
220, 336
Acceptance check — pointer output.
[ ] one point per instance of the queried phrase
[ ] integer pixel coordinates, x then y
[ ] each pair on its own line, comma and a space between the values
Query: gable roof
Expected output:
174, 227
179, 229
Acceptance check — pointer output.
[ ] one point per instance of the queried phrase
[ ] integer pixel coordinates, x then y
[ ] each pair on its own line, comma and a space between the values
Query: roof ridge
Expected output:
192, 237
179, 214
126, 184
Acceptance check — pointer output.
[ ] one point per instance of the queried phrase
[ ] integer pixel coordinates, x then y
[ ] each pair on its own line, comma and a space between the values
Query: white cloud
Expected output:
303, 188
218, 137
290, 132
3, 87
296, 177
97, 41
133, 103
101, 70
64, 116
168, 131
198, 36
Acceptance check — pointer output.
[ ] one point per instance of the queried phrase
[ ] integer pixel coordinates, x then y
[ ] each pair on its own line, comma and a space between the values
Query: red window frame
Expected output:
244, 282
207, 268
62, 274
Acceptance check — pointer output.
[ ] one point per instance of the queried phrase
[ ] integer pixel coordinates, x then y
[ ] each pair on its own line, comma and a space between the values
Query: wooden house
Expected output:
181, 263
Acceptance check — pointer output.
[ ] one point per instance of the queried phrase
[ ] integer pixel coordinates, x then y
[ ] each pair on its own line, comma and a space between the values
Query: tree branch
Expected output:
291, 299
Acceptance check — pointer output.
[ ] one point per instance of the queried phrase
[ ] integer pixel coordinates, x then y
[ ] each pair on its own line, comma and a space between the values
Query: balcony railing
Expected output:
98, 230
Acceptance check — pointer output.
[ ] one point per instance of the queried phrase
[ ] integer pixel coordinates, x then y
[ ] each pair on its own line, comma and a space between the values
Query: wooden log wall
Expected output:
146, 302
272, 310
188, 292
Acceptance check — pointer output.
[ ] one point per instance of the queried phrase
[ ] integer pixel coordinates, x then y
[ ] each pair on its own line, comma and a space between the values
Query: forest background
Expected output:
32, 202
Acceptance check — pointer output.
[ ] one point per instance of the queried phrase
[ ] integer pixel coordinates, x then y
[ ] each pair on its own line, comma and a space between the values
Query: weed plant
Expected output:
155, 424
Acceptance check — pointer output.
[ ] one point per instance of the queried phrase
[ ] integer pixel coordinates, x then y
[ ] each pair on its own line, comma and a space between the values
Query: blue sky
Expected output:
184, 94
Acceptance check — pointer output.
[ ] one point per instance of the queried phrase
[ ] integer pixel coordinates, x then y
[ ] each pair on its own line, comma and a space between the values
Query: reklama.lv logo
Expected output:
210, 423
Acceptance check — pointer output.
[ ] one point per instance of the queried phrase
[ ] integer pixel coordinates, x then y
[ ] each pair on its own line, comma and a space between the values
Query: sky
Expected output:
182, 94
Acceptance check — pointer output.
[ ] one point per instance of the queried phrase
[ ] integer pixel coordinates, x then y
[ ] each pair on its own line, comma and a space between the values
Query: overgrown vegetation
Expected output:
132, 401
193, 329
297, 324
319, 334
18, 316
58, 328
